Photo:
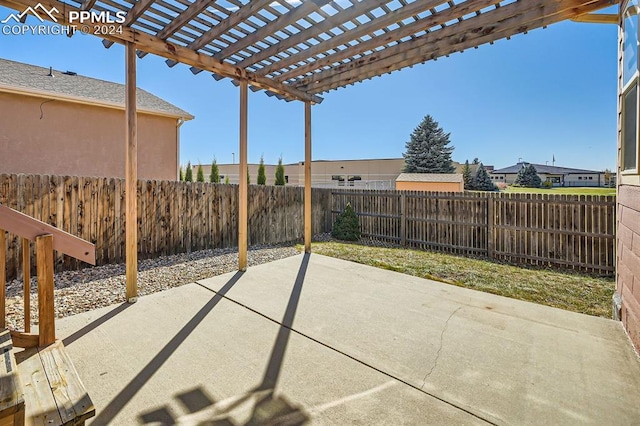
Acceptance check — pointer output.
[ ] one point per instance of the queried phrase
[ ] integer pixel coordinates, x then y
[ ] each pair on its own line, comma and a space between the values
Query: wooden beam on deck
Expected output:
503, 22
597, 18
46, 314
26, 281
359, 31
291, 17
152, 44
325, 25
399, 33
134, 13
131, 175
307, 177
243, 186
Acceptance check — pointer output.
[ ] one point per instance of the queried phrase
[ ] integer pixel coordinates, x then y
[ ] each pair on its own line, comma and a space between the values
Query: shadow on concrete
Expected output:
94, 324
134, 386
260, 405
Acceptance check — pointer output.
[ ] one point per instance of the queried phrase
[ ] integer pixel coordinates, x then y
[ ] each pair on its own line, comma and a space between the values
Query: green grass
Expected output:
574, 292
566, 191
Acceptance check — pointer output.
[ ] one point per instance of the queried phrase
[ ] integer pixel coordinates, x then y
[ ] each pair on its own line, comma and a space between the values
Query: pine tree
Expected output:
427, 150
214, 177
226, 180
262, 176
200, 174
528, 177
188, 176
248, 178
280, 173
347, 225
180, 175
481, 181
466, 175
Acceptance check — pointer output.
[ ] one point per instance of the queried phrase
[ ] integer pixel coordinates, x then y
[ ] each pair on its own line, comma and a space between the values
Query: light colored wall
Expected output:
597, 179
376, 170
430, 186
81, 140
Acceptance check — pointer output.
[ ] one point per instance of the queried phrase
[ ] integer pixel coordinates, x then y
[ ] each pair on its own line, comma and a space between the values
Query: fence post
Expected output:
403, 219
46, 316
490, 225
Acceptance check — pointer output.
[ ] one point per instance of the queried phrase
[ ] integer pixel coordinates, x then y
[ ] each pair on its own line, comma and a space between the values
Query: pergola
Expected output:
297, 50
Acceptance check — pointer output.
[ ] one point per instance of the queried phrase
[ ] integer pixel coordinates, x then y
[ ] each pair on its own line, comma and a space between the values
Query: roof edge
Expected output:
85, 101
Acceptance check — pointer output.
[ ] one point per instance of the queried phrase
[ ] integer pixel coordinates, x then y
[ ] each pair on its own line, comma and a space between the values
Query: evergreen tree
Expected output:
481, 181
180, 175
347, 225
528, 177
427, 150
248, 177
214, 177
188, 176
280, 173
200, 174
476, 161
466, 175
226, 180
262, 176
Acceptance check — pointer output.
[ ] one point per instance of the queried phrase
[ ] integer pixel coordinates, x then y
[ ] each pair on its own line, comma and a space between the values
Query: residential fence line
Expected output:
568, 231
173, 217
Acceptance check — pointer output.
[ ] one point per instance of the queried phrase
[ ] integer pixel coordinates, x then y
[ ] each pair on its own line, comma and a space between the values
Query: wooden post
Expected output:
131, 176
403, 219
46, 316
3, 277
242, 183
26, 280
490, 225
307, 177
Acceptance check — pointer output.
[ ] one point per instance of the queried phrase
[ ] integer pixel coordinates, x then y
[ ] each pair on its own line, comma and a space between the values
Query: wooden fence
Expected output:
173, 217
573, 232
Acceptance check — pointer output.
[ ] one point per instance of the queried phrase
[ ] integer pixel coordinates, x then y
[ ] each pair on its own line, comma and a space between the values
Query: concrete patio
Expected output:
320, 340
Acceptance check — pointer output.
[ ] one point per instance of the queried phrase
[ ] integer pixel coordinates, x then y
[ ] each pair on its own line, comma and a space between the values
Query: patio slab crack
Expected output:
437, 357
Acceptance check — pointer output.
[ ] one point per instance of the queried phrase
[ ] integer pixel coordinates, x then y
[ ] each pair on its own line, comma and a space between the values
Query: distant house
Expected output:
443, 182
558, 176
60, 123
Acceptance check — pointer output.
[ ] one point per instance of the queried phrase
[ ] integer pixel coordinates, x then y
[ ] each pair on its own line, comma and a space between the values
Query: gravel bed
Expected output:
96, 287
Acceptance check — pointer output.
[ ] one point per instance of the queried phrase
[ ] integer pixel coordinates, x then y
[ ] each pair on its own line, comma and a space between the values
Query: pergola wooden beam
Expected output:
131, 175
307, 178
597, 18
152, 44
134, 13
499, 23
370, 27
189, 13
232, 20
395, 35
347, 15
295, 14
243, 185
87, 4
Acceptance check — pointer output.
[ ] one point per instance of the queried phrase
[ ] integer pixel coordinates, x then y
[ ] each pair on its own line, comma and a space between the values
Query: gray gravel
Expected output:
96, 287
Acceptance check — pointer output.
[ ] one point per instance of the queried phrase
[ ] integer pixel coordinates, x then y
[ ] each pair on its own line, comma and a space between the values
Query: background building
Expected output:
558, 176
60, 123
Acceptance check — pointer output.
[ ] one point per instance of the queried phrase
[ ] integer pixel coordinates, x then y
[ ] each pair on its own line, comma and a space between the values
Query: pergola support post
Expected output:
242, 180
131, 175
307, 177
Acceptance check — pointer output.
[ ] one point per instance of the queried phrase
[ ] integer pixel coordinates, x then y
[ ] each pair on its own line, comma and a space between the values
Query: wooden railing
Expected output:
47, 239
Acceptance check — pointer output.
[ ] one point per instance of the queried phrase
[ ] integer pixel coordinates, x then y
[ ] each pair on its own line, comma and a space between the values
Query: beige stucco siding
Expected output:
430, 186
39, 136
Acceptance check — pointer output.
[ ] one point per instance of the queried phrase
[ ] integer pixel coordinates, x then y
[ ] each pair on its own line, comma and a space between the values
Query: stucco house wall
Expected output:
82, 140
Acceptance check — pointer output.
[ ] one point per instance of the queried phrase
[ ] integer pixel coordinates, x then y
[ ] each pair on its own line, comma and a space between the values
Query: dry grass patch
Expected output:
571, 291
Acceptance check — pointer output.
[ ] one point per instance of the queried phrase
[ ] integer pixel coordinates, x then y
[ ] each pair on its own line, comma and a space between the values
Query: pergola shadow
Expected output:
266, 405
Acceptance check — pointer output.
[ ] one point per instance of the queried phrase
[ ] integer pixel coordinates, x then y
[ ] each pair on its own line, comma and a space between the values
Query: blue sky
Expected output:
549, 93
